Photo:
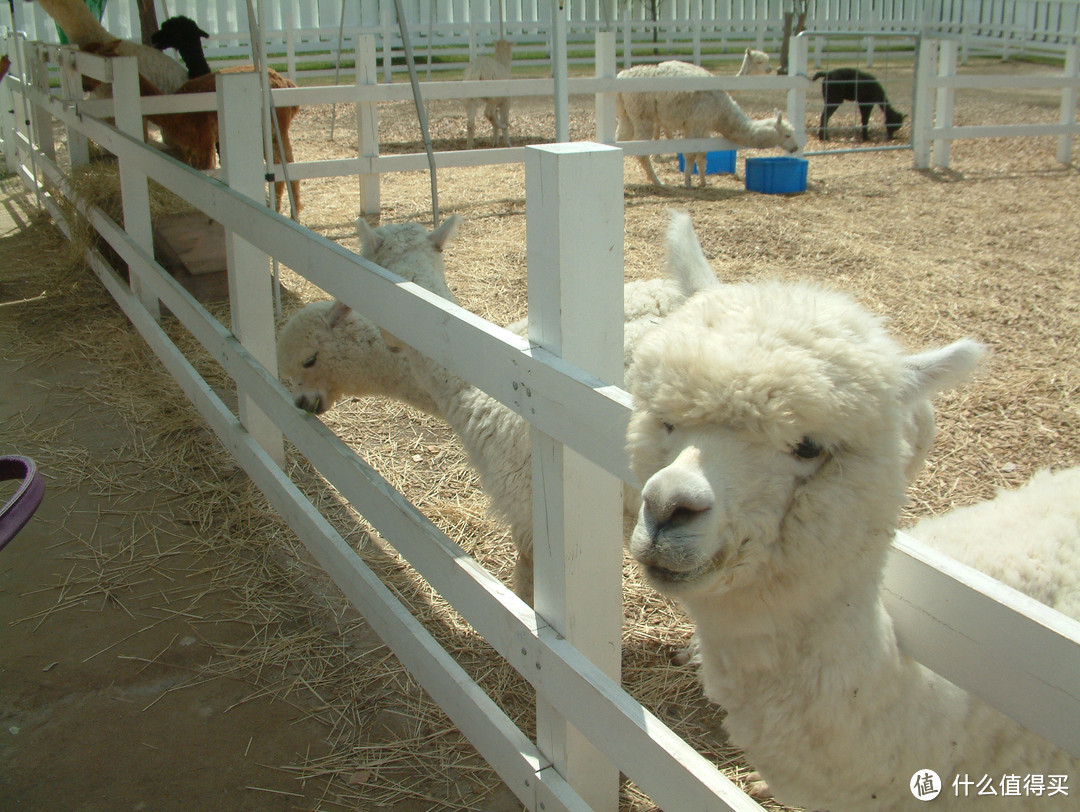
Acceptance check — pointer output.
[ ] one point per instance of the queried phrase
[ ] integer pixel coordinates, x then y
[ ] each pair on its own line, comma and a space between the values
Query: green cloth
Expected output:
96, 6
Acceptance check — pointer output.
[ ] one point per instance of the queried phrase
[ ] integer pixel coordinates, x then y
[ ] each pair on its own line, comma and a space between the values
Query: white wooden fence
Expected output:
301, 33
1017, 654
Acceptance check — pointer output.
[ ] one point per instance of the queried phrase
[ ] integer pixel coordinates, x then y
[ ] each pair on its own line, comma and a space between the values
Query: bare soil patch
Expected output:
143, 502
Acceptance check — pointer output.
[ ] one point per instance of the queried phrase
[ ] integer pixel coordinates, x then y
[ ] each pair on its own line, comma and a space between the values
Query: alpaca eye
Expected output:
668, 427
310, 362
807, 449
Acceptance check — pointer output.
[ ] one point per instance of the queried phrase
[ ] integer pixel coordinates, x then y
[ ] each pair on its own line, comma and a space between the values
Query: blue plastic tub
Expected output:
782, 175
716, 163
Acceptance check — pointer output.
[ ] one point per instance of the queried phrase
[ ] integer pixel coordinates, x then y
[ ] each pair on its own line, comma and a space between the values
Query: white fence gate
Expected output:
1018, 655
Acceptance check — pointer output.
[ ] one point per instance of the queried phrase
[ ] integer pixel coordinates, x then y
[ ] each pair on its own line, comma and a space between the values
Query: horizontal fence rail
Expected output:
1024, 661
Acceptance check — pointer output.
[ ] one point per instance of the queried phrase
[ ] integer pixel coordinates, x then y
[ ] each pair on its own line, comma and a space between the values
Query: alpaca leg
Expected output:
826, 114
297, 206
864, 113
470, 125
503, 111
493, 119
624, 131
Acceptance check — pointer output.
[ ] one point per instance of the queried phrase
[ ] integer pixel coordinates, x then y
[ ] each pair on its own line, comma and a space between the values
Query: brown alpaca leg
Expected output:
285, 118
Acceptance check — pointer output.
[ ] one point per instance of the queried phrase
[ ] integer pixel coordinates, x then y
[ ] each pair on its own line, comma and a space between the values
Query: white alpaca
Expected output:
82, 29
754, 63
496, 108
1024, 538
768, 428
696, 114
328, 351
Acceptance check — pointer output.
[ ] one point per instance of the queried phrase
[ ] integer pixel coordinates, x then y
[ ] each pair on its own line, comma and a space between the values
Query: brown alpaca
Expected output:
194, 136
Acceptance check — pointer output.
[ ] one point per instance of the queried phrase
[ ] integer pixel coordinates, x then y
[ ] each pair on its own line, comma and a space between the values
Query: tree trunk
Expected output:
785, 42
148, 21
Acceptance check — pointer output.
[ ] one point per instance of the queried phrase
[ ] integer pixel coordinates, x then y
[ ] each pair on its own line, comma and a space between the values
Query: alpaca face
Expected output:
786, 134
748, 400
713, 509
312, 352
775, 427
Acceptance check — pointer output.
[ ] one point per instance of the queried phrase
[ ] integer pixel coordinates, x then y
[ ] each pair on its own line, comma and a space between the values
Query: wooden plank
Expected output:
250, 288
573, 199
134, 191
1014, 652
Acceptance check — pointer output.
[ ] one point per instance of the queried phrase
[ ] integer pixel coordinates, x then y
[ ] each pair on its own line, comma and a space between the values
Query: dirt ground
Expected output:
165, 642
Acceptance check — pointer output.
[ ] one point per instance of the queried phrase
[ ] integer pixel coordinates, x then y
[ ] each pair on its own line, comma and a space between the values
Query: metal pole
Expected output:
420, 112
559, 71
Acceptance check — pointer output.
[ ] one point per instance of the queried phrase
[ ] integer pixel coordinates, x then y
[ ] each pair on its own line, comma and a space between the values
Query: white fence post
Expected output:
7, 109
367, 123
250, 283
606, 65
134, 191
1068, 102
945, 98
559, 71
44, 123
387, 42
798, 54
574, 200
922, 110
71, 90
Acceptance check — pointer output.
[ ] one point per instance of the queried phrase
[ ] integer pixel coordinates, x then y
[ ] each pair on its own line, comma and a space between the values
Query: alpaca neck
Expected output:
494, 437
194, 59
824, 687
730, 121
828, 708
465, 408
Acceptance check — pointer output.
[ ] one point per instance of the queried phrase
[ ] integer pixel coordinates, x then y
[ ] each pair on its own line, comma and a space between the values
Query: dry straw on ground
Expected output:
989, 248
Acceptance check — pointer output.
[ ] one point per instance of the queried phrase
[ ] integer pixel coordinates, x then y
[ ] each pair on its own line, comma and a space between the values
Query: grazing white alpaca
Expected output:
496, 108
768, 430
1024, 538
696, 114
82, 29
329, 352
754, 63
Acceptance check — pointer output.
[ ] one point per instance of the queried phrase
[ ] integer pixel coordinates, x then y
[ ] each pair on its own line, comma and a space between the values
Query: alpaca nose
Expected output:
677, 493
310, 403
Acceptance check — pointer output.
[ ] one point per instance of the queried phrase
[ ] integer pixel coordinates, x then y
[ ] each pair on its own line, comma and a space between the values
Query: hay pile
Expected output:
987, 249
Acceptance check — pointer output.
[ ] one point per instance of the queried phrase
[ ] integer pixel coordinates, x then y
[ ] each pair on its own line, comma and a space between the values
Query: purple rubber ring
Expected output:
20, 507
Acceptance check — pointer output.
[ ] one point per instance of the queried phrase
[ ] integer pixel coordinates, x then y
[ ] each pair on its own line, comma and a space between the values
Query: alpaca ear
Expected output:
446, 232
932, 371
337, 313
748, 50
368, 238
686, 261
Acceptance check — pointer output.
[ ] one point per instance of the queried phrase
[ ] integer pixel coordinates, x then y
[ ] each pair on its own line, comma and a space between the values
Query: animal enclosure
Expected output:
957, 285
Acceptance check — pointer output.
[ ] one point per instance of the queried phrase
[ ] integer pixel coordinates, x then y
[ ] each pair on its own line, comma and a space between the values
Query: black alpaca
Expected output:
183, 34
849, 84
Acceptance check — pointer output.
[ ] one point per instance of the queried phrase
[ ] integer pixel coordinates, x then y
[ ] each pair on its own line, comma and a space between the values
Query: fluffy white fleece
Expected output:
768, 427
1028, 538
